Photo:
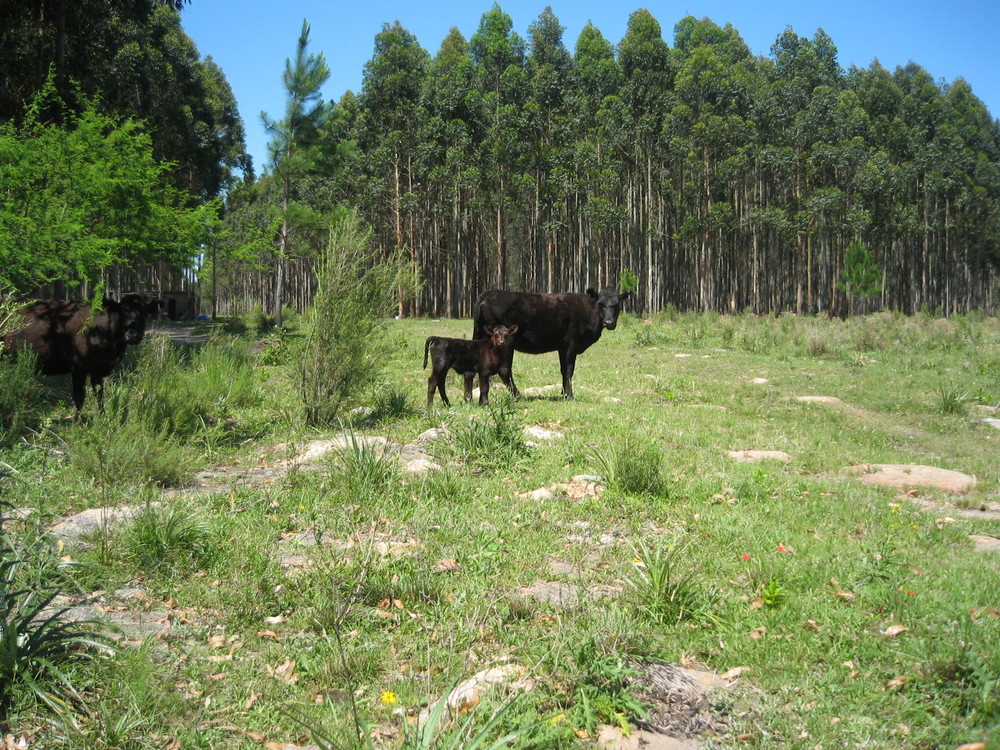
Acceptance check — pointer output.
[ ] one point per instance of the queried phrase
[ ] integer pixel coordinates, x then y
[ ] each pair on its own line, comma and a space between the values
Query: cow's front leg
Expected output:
505, 371
79, 389
484, 390
567, 363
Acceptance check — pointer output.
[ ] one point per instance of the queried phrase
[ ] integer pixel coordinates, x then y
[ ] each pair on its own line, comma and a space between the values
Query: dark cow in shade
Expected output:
566, 323
68, 339
482, 357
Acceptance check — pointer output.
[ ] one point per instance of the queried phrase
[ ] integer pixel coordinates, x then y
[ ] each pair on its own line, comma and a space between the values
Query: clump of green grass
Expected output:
952, 399
632, 465
492, 439
38, 642
168, 540
665, 586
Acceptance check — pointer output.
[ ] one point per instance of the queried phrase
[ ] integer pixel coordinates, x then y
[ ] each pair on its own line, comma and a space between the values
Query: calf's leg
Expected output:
484, 389
468, 386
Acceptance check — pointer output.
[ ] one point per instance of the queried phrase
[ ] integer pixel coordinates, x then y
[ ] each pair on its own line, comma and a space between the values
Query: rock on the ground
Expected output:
992, 422
819, 400
75, 527
985, 543
756, 455
611, 738
905, 476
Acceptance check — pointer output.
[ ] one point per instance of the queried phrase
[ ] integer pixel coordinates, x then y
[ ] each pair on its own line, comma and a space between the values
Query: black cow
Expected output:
566, 323
69, 340
482, 357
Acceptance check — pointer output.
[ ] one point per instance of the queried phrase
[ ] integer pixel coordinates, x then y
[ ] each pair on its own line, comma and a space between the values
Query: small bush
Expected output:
114, 451
345, 347
493, 439
168, 539
634, 466
36, 640
22, 397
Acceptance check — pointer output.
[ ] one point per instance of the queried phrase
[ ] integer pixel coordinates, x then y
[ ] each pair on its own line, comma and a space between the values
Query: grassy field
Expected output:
861, 618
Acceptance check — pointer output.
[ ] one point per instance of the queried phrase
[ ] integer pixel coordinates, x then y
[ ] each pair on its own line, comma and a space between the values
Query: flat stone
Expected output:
75, 527
755, 455
992, 422
985, 543
420, 466
553, 592
611, 738
904, 476
819, 400
760, 381
540, 433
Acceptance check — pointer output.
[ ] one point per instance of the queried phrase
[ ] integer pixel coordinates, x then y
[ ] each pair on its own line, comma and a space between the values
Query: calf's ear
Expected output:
592, 293
624, 295
512, 330
488, 330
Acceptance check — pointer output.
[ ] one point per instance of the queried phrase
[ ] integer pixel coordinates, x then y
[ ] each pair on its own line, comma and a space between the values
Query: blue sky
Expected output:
251, 39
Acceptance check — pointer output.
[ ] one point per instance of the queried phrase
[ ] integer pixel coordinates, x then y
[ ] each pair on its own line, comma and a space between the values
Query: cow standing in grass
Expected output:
482, 357
70, 339
566, 323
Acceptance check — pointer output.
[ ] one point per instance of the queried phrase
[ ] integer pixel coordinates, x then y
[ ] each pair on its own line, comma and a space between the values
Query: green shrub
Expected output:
37, 641
114, 450
634, 466
168, 539
492, 438
22, 397
345, 348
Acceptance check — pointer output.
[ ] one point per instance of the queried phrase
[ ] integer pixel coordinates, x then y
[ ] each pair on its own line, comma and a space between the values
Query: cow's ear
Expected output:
512, 330
592, 293
488, 330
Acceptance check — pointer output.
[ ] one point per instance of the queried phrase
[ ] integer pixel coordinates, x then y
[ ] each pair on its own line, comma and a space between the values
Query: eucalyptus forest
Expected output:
717, 179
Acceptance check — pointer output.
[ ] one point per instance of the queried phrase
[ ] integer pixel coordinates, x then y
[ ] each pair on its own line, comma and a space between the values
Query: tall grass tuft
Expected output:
168, 540
634, 466
37, 640
493, 438
22, 397
952, 399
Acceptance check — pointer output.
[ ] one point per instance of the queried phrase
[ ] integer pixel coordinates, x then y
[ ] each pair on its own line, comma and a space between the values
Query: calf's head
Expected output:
609, 305
500, 335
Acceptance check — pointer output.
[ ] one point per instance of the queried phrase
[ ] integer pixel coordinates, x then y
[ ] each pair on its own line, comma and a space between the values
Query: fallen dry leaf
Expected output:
447, 565
896, 682
812, 625
973, 746
734, 673
268, 634
251, 700
284, 672
757, 633
276, 620
893, 630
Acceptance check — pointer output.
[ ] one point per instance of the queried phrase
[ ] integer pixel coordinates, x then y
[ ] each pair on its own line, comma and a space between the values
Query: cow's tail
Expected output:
477, 318
427, 346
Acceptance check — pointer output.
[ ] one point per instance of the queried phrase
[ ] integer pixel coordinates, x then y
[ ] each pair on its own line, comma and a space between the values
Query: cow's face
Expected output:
133, 312
609, 305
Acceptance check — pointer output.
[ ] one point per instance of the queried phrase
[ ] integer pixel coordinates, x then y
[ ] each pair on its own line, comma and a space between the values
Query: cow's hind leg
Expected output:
79, 389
